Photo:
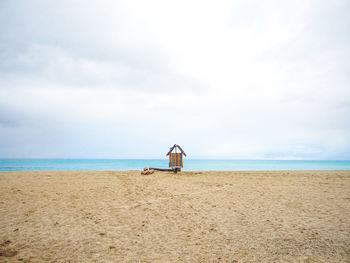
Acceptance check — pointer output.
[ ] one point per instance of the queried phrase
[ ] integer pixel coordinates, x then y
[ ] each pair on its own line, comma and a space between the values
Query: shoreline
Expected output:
183, 171
189, 165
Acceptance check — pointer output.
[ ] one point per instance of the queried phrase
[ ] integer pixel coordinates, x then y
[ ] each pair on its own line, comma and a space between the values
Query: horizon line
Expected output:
208, 159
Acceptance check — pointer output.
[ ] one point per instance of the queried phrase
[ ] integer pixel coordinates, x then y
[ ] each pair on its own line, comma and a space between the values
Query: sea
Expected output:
189, 165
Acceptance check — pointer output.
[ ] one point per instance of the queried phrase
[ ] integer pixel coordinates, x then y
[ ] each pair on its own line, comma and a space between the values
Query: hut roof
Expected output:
176, 146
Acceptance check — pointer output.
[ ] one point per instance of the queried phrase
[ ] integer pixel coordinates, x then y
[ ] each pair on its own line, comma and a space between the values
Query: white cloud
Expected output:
126, 79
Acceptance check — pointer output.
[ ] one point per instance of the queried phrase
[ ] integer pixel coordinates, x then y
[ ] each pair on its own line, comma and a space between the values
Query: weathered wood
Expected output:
161, 169
178, 146
171, 149
174, 147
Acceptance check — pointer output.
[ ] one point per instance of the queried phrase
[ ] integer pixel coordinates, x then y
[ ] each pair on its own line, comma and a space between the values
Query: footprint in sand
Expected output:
5, 252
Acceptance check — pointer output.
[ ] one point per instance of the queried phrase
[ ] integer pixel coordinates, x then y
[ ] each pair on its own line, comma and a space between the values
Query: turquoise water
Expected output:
189, 164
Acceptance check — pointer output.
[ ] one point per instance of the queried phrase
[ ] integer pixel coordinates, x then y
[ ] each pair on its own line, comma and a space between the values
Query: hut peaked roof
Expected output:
176, 146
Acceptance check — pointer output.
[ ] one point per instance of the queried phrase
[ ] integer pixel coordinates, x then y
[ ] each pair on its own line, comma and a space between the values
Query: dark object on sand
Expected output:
161, 169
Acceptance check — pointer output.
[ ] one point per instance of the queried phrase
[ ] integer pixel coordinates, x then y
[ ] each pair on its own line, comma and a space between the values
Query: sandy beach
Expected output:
281, 216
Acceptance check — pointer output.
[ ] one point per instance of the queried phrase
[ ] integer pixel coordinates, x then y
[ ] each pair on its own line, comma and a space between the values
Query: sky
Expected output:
243, 79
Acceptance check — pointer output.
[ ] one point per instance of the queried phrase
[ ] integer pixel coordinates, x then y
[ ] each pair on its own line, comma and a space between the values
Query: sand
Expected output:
282, 216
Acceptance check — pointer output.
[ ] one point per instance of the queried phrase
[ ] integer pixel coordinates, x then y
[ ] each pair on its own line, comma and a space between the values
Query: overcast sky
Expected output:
128, 79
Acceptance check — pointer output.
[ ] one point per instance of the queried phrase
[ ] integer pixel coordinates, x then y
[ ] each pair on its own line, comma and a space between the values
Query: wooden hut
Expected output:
175, 158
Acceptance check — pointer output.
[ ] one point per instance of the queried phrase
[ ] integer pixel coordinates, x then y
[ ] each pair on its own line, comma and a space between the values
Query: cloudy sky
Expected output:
244, 79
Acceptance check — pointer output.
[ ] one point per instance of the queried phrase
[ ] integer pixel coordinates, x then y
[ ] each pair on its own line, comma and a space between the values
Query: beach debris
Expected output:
147, 171
162, 169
